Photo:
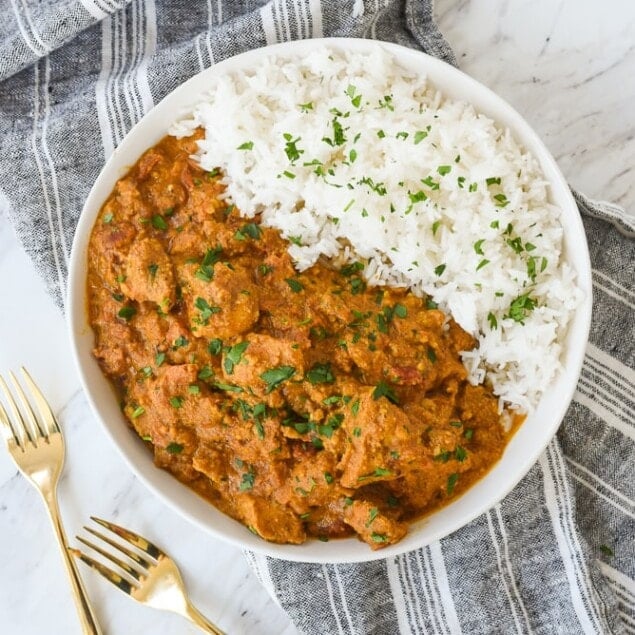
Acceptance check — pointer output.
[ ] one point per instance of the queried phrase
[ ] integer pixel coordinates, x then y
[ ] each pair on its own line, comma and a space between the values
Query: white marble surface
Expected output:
568, 66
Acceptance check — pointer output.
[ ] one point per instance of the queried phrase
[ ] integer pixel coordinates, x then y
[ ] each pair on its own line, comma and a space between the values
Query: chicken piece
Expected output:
211, 462
162, 400
372, 525
270, 520
382, 439
149, 274
223, 307
264, 355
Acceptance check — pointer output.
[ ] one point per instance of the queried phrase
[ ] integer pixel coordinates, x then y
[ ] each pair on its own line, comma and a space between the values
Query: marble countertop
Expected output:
567, 66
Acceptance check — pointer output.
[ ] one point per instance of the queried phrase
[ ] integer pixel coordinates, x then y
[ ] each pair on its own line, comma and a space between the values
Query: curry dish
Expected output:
301, 404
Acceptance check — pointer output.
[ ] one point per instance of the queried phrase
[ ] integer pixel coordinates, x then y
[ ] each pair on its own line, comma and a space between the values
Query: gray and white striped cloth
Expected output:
557, 555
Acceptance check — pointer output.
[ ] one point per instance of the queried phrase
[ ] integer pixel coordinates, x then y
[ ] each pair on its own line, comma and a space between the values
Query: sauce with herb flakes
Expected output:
302, 404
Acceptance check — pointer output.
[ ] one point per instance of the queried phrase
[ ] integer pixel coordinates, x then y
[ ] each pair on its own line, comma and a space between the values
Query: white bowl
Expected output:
523, 449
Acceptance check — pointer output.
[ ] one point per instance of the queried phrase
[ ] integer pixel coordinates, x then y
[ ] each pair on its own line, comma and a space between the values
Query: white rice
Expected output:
417, 133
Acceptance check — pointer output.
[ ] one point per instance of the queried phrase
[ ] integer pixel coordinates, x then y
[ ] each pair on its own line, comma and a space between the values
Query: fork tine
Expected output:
33, 427
7, 429
43, 406
142, 562
110, 575
134, 539
131, 571
18, 424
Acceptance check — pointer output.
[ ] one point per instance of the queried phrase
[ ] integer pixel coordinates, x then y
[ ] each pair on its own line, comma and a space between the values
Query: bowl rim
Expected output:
441, 522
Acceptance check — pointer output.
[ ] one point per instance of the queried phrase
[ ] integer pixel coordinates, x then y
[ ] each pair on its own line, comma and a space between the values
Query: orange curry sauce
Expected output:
301, 404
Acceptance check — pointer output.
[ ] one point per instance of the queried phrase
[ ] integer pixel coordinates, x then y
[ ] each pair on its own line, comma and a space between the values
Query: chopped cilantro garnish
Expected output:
442, 457
382, 389
377, 472
158, 222
386, 102
439, 269
176, 402
516, 244
430, 182
351, 268
320, 374
420, 135
444, 169
400, 311
227, 387
452, 481
338, 138
205, 373
206, 310
417, 197
295, 286
179, 342
174, 448
247, 480
275, 376
127, 312
493, 322
478, 246
215, 346
233, 356
501, 200
521, 307
460, 454
137, 412
482, 264
291, 148
248, 145
206, 271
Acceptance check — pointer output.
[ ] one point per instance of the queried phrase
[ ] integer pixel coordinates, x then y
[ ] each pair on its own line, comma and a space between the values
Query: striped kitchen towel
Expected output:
557, 555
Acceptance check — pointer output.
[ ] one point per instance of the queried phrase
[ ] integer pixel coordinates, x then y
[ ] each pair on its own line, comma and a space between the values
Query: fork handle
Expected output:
84, 609
196, 617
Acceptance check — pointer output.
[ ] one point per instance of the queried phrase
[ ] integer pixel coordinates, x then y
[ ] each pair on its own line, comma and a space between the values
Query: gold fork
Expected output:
37, 447
152, 578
